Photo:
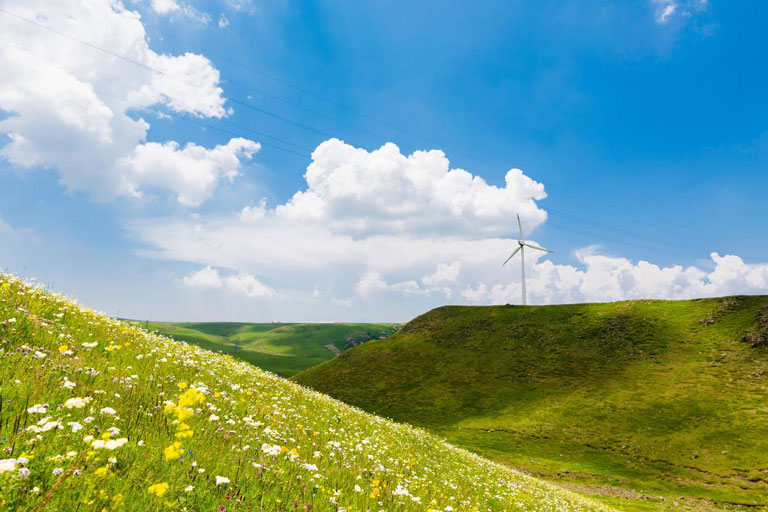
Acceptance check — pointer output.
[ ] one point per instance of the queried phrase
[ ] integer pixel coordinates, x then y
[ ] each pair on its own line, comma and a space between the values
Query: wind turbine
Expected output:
522, 244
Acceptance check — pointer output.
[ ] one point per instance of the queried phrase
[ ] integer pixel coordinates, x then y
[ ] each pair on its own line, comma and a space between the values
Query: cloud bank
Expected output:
381, 227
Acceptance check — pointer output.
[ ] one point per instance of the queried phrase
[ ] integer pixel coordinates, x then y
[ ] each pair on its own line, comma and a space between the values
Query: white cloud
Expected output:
193, 171
444, 273
223, 21
242, 283
348, 235
254, 213
165, 6
361, 193
174, 8
68, 114
241, 5
667, 10
606, 278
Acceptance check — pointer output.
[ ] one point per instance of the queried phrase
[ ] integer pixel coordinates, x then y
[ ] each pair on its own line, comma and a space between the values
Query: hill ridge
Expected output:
667, 390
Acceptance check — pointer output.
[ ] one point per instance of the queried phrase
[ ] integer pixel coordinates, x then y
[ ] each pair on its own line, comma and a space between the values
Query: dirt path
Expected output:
332, 348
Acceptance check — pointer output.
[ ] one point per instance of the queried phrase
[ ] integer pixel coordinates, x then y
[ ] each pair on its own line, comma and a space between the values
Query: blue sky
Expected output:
644, 121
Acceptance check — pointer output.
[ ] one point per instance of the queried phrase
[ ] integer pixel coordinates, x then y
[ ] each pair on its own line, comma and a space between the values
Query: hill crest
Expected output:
653, 397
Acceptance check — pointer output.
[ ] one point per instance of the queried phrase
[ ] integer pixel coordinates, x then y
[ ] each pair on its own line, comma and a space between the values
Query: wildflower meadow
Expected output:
96, 414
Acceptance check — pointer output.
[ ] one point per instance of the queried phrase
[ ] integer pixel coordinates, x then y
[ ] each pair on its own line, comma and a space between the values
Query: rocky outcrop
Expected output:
757, 335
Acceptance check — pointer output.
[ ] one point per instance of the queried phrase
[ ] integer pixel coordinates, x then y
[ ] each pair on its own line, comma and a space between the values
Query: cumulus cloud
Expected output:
360, 193
241, 283
193, 171
67, 113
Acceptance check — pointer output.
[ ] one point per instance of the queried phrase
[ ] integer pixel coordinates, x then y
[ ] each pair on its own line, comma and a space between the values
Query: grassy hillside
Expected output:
282, 348
99, 415
630, 401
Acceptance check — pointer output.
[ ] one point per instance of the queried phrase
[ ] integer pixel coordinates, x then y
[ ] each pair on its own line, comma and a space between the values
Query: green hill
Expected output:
97, 415
282, 348
630, 401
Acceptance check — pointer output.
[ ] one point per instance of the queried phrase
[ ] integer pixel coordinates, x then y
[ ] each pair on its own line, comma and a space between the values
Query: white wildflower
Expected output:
7, 465
271, 449
77, 403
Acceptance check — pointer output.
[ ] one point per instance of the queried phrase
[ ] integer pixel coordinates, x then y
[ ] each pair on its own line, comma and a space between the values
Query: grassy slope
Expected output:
652, 398
226, 416
282, 348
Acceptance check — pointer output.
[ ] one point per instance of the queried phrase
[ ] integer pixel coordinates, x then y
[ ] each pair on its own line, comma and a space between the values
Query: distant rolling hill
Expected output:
282, 348
629, 401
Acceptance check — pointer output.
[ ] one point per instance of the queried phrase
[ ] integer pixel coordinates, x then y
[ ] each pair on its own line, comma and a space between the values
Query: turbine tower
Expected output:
521, 245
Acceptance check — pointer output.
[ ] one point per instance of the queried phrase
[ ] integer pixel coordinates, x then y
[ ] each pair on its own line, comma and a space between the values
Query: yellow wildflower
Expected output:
182, 385
183, 431
117, 501
183, 414
190, 397
173, 451
375, 493
63, 348
158, 489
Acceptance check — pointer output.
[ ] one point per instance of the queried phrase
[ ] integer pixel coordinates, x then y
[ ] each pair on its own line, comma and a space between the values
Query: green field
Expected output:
282, 348
647, 405
97, 415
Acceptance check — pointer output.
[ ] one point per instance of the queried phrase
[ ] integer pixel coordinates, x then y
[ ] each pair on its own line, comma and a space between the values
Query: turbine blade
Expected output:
510, 256
536, 247
520, 225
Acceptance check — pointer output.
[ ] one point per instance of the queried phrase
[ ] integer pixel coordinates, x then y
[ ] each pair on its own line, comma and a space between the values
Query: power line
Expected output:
604, 204
277, 116
300, 125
